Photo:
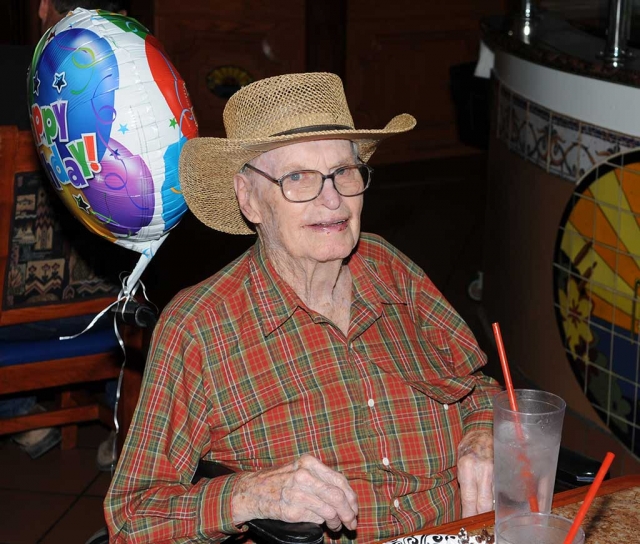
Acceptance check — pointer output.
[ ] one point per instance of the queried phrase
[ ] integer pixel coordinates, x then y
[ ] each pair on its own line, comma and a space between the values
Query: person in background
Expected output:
14, 110
322, 366
52, 11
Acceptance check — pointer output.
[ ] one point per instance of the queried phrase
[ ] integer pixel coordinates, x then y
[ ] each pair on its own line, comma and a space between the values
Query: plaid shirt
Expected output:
242, 372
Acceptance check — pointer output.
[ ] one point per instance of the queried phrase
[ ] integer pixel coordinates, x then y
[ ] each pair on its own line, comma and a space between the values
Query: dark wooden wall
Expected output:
394, 57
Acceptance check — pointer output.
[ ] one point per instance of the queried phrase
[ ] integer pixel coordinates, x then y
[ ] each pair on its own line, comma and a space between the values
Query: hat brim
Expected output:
207, 167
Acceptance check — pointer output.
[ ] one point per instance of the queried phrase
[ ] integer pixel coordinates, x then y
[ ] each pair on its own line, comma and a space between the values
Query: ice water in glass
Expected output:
526, 447
536, 529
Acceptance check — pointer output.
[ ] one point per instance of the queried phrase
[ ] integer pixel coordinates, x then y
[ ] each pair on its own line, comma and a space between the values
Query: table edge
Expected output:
563, 498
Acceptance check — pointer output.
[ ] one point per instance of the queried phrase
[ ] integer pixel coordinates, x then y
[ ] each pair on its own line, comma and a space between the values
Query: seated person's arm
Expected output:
151, 498
475, 450
151, 495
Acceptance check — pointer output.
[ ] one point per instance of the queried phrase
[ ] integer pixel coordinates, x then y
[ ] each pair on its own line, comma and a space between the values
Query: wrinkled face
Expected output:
322, 230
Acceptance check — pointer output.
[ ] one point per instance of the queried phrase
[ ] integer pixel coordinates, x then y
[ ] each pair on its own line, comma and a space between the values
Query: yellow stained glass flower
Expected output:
575, 310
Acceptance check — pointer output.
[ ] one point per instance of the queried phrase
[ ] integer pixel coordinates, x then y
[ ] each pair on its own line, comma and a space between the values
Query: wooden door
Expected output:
398, 56
218, 46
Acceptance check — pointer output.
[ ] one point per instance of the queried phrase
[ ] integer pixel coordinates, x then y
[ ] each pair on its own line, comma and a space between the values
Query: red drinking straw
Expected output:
591, 494
513, 404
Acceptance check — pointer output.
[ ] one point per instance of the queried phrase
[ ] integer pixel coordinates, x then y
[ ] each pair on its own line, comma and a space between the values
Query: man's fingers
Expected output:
334, 479
485, 489
300, 505
476, 485
469, 499
330, 500
468, 487
475, 472
337, 499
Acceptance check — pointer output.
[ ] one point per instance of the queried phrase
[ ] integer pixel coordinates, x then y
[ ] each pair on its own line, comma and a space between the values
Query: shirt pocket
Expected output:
446, 389
422, 358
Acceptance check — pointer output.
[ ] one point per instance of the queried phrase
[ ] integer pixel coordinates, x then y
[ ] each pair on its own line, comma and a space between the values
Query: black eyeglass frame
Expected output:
330, 176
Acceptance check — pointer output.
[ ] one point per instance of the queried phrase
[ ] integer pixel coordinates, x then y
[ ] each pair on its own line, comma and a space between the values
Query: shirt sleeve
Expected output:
151, 498
465, 356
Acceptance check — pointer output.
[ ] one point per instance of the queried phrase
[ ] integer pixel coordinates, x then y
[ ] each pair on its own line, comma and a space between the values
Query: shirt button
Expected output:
396, 503
371, 403
385, 462
445, 406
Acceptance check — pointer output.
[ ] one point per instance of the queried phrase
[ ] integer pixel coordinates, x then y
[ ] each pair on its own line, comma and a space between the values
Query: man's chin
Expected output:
334, 253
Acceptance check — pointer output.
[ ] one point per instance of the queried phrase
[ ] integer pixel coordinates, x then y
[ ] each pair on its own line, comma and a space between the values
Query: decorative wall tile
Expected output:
560, 144
518, 124
538, 135
564, 147
597, 144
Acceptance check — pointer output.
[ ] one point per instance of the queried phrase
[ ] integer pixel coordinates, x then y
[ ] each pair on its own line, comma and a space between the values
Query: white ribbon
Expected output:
126, 296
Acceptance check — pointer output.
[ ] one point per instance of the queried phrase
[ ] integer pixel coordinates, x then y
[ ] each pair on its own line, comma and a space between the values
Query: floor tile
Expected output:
75, 470
99, 486
26, 516
79, 523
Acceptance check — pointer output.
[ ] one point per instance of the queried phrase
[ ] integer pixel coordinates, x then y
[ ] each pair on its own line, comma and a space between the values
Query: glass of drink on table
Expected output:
526, 445
535, 529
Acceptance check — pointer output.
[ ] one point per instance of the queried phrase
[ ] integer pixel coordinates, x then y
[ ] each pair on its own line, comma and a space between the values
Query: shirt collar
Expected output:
277, 301
369, 287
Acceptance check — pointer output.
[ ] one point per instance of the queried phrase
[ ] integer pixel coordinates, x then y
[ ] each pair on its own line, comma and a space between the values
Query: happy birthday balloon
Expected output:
109, 115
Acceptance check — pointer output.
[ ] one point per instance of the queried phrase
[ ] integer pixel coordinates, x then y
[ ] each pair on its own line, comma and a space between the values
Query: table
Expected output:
614, 516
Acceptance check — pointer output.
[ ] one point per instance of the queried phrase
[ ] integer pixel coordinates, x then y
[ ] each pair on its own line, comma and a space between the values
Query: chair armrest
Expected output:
136, 313
281, 532
267, 530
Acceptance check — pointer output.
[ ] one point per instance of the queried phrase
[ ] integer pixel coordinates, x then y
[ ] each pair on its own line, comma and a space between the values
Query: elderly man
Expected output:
322, 366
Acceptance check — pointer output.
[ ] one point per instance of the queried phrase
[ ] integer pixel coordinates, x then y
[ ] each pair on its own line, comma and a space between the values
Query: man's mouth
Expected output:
331, 225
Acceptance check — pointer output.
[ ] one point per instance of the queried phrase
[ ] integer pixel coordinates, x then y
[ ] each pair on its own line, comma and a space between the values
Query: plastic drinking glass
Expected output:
526, 446
535, 529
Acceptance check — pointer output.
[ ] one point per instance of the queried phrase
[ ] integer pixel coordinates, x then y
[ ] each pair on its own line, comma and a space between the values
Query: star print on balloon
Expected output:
109, 115
82, 203
59, 82
36, 84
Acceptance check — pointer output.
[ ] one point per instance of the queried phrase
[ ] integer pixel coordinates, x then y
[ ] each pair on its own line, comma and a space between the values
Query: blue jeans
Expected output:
17, 406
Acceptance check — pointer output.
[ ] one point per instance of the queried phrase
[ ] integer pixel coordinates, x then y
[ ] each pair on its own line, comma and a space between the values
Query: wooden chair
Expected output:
37, 287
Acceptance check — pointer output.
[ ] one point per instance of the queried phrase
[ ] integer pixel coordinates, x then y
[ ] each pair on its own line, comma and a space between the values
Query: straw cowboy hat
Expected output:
264, 115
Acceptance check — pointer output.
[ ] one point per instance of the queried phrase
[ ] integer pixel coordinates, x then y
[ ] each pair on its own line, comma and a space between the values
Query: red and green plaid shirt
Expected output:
242, 372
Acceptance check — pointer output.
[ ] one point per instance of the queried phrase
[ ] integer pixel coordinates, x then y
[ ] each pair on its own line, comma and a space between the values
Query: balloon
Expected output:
109, 115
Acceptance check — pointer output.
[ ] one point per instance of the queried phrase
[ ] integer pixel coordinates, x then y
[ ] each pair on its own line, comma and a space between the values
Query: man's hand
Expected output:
475, 472
306, 490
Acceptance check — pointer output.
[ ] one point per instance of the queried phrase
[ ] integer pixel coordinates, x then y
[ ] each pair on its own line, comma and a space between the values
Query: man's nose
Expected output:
329, 196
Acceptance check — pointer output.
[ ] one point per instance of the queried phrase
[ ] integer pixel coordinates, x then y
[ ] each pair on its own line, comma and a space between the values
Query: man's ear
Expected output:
246, 195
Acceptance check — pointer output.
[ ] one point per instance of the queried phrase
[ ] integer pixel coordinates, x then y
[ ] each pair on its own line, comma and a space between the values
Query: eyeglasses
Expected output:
306, 185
